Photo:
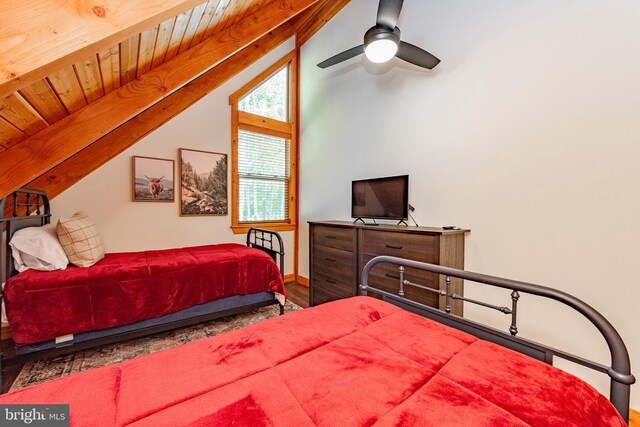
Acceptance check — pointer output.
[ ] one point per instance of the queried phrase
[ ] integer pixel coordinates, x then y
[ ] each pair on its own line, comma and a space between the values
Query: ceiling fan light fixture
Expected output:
382, 42
381, 50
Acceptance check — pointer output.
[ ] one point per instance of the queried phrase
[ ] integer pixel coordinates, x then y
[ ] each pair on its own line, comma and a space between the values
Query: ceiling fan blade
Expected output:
347, 54
416, 56
388, 13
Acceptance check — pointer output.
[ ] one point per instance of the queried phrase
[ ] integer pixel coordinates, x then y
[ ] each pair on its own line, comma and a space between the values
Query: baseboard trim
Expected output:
634, 418
302, 280
289, 278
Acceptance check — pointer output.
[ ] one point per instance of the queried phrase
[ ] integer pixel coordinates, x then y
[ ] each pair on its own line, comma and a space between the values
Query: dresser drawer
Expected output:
322, 295
386, 277
335, 263
343, 289
419, 247
334, 237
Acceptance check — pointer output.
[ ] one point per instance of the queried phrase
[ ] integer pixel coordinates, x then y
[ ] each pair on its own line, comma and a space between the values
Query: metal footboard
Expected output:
269, 242
619, 372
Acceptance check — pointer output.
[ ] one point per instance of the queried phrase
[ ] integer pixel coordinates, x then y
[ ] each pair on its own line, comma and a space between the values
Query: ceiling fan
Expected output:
382, 42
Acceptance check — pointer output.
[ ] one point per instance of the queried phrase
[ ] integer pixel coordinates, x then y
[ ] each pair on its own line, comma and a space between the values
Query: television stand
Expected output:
339, 250
402, 221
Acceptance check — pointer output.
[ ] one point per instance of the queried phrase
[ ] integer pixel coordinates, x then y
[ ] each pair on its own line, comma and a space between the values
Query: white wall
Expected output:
105, 195
528, 133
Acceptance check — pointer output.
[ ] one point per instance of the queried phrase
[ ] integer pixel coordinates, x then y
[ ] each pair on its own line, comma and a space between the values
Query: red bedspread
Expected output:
352, 362
127, 287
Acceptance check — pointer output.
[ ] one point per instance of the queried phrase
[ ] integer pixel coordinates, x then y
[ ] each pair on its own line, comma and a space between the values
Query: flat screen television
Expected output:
380, 198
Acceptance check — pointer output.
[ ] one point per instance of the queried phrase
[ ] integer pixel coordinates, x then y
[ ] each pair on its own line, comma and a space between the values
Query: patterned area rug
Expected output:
39, 371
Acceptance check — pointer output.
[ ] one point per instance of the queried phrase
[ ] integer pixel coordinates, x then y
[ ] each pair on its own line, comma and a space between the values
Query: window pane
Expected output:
270, 99
263, 177
262, 200
262, 155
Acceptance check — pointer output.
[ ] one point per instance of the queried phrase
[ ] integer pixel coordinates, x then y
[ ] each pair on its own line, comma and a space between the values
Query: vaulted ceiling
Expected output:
82, 80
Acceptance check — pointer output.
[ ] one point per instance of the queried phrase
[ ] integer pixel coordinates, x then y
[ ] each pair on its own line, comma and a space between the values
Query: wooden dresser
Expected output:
339, 251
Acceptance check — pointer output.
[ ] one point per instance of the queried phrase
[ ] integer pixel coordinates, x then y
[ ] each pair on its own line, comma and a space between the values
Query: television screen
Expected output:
380, 198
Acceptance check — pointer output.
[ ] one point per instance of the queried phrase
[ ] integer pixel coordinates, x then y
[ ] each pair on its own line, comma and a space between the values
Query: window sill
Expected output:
243, 228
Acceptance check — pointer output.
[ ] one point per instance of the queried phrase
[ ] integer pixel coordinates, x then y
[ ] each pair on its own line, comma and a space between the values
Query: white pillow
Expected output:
38, 248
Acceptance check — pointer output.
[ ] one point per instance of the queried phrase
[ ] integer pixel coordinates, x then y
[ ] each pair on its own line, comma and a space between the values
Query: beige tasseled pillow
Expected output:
80, 239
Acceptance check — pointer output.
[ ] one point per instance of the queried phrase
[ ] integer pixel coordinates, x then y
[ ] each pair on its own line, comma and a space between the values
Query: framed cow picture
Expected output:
153, 180
203, 183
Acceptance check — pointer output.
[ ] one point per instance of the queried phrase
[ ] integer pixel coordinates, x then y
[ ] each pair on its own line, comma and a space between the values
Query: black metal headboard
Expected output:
25, 208
269, 242
619, 372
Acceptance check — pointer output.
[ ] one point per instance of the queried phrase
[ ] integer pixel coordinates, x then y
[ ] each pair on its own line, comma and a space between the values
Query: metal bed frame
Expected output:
619, 372
30, 208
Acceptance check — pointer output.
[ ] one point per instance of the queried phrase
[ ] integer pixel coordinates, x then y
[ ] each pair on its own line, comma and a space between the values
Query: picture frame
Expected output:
153, 179
203, 183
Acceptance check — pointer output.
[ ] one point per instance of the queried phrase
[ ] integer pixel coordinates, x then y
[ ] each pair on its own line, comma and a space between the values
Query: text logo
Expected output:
34, 415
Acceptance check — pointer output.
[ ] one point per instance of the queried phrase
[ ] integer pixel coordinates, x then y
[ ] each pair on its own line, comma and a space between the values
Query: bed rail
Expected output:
619, 372
269, 242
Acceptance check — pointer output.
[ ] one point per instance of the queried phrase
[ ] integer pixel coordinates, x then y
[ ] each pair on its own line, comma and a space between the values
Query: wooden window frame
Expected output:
259, 124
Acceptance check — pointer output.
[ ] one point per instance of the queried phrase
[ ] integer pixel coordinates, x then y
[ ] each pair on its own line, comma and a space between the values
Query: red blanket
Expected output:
127, 287
352, 362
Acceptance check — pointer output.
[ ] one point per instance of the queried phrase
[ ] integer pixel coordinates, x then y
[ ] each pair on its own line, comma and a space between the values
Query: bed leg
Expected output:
281, 309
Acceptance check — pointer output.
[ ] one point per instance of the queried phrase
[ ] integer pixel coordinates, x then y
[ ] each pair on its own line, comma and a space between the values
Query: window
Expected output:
264, 149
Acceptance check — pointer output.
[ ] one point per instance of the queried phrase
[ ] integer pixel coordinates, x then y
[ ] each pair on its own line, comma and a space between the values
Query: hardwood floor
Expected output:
298, 294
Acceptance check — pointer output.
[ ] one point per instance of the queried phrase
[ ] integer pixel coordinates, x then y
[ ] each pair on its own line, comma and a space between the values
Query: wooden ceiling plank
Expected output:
147, 45
192, 26
129, 59
61, 177
230, 11
109, 60
43, 99
88, 73
255, 5
204, 22
39, 37
19, 113
65, 84
178, 33
245, 10
162, 42
10, 135
218, 14
53, 145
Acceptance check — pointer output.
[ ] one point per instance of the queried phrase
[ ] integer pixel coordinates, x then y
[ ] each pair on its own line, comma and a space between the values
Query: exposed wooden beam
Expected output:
53, 145
38, 37
61, 177
324, 14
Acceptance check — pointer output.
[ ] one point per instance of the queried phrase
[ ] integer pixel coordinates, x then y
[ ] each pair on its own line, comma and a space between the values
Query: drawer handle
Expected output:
330, 236
333, 282
330, 259
393, 276
394, 247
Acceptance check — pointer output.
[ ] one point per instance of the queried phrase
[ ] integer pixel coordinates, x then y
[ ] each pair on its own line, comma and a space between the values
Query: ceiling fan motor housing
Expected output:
381, 33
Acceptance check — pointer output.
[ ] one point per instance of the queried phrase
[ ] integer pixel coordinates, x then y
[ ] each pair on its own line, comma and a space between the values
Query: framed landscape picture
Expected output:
203, 183
153, 180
